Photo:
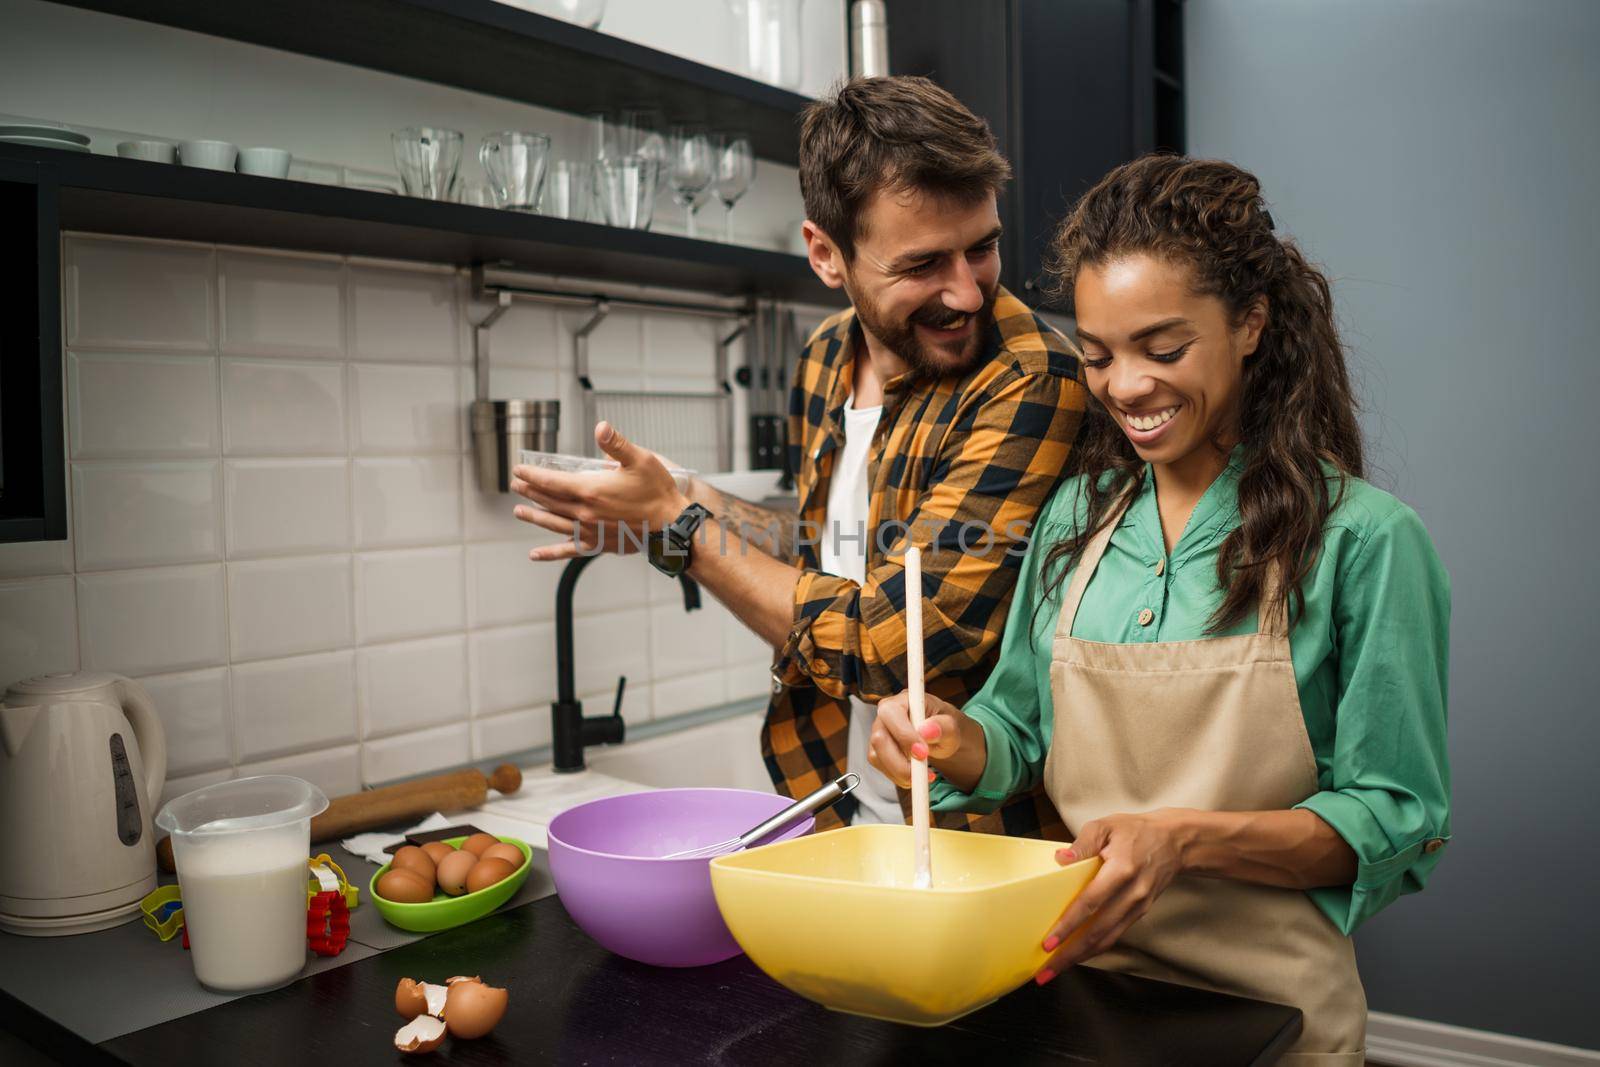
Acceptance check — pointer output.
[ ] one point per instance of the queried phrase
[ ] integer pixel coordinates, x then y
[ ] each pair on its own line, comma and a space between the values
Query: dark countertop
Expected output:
573, 1002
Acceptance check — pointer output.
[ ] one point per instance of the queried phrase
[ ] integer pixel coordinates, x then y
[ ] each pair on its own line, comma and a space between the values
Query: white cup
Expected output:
266, 162
208, 155
154, 151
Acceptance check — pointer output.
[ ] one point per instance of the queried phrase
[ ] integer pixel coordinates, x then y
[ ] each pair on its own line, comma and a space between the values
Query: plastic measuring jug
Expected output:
241, 849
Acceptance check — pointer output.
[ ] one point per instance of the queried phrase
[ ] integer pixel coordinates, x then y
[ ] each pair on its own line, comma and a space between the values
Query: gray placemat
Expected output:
111, 982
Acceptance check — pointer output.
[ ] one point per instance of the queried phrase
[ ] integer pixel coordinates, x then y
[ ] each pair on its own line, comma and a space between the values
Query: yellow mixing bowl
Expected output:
835, 917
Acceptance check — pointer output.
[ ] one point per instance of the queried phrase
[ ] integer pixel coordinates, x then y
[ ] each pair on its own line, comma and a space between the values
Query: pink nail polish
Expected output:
1044, 977
1051, 942
920, 751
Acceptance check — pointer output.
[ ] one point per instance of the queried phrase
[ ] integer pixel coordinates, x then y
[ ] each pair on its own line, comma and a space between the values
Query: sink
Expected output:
724, 753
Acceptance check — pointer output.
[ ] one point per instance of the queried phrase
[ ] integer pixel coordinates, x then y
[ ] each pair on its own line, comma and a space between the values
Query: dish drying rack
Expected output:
693, 429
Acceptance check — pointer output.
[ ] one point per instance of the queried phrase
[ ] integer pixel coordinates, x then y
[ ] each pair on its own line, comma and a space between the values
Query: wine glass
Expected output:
688, 169
734, 169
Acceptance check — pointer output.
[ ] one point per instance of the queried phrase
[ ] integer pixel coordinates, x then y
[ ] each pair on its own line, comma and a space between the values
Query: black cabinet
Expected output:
33, 505
1071, 88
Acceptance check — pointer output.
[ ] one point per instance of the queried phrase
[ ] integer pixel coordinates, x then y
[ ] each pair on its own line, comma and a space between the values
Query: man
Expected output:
937, 411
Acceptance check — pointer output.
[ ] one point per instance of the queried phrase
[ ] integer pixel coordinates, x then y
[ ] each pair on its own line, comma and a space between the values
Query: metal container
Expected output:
501, 429
869, 39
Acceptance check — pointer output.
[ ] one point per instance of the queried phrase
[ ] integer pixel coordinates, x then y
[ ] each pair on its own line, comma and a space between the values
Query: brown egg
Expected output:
412, 858
452, 873
486, 872
477, 843
472, 1009
438, 850
404, 887
510, 853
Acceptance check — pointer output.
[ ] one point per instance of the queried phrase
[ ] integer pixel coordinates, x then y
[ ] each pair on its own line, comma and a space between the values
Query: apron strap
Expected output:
1087, 563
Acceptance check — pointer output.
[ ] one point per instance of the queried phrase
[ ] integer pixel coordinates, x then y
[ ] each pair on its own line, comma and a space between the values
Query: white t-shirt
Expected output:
844, 553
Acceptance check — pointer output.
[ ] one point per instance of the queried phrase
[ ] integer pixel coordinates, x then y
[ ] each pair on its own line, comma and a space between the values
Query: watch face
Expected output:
665, 556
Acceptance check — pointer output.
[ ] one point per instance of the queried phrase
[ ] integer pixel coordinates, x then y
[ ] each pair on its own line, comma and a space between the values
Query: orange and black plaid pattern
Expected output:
959, 466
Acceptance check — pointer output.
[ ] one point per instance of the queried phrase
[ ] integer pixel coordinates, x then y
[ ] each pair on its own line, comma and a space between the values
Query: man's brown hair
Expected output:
891, 135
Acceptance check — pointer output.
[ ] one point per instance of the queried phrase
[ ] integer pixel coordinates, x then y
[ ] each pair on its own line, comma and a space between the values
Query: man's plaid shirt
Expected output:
980, 451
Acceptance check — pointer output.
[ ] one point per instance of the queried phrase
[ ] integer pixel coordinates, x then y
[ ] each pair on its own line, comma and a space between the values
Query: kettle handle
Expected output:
141, 711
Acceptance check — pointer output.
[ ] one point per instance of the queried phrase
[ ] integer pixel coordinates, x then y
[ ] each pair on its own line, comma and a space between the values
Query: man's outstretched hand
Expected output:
606, 511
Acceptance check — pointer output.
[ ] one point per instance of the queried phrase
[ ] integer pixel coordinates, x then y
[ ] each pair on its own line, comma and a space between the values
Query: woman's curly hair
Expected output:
1296, 405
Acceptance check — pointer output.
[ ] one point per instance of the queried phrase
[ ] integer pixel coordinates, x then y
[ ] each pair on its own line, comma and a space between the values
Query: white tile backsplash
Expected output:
280, 408
286, 506
410, 593
404, 314
276, 524
513, 667
515, 731
281, 305
335, 771
411, 754
145, 515
505, 587
139, 295
194, 713
281, 607
152, 621
403, 409
149, 406
410, 501
412, 685
38, 628
606, 646
284, 705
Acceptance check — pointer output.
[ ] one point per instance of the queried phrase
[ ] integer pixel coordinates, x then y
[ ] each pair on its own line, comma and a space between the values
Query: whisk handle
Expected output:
809, 804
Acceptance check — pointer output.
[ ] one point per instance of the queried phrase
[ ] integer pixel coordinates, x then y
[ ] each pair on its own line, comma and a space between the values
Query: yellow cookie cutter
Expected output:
319, 881
162, 911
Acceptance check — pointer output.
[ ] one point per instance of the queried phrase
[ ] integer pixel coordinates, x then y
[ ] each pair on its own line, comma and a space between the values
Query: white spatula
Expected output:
919, 768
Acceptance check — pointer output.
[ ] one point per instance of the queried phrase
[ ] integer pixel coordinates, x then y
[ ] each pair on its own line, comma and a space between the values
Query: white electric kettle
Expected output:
82, 762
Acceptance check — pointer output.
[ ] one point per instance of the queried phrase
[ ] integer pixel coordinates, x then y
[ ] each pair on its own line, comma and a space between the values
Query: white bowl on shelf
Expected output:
208, 155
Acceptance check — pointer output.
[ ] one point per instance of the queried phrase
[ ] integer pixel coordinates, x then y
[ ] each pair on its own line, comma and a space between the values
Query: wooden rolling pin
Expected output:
378, 807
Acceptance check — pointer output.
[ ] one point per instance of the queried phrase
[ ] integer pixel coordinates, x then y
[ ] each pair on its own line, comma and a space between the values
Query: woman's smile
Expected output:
1146, 428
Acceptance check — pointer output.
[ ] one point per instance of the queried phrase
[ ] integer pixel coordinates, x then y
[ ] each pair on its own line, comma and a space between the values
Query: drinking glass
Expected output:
514, 162
427, 158
605, 141
639, 132
569, 191
689, 169
734, 169
627, 190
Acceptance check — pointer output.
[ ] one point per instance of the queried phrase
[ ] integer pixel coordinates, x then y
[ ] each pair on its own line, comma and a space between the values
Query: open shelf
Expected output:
106, 194
488, 47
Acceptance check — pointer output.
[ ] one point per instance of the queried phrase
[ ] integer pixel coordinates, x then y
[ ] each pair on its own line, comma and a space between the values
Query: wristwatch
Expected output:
668, 550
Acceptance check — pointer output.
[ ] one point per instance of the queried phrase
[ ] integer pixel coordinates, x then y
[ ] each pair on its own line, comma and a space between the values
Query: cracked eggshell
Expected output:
473, 1009
413, 998
422, 1034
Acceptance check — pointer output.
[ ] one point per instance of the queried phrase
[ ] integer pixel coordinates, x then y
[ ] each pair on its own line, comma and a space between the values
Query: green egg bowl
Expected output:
444, 912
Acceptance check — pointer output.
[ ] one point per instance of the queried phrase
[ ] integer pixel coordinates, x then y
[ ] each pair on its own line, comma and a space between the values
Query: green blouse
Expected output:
1370, 654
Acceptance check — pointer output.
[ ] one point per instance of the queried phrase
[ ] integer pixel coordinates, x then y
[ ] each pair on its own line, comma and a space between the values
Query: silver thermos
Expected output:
869, 39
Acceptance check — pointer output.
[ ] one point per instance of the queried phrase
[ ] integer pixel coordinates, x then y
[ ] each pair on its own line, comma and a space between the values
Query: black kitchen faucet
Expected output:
571, 732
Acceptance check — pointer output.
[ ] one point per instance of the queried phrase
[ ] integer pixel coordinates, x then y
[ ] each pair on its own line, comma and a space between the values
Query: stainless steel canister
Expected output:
501, 429
869, 39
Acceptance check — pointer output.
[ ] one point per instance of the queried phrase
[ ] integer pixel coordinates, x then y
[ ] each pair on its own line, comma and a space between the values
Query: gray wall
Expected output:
1442, 159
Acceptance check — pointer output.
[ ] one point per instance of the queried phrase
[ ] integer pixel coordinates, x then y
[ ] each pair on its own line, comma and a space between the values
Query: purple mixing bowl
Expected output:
605, 858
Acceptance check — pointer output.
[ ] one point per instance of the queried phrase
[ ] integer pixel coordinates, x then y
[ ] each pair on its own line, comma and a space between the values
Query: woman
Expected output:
1226, 654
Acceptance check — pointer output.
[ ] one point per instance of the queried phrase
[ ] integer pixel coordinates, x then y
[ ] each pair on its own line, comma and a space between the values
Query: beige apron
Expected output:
1213, 724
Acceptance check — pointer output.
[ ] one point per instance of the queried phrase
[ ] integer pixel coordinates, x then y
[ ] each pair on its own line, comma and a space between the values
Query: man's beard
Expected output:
926, 360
